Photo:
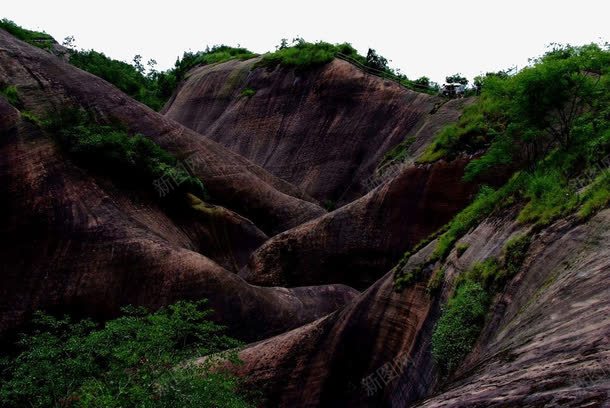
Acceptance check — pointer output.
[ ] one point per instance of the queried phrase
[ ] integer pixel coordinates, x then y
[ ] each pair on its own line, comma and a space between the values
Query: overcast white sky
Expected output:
432, 37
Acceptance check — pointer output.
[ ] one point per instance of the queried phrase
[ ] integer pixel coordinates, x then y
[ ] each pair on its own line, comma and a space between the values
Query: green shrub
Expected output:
596, 196
248, 92
472, 132
459, 325
488, 274
216, 54
11, 95
482, 206
436, 281
303, 55
151, 90
409, 277
134, 360
32, 118
128, 158
403, 277
461, 247
514, 254
398, 153
548, 197
155, 88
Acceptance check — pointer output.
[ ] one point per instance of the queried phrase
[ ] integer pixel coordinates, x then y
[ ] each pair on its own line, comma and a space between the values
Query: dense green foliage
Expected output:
459, 326
548, 125
464, 315
456, 79
596, 196
213, 55
128, 158
147, 89
515, 251
35, 38
551, 123
154, 88
305, 55
248, 92
137, 360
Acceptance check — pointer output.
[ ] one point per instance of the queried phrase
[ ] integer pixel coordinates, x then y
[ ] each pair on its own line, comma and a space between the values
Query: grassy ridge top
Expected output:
36, 38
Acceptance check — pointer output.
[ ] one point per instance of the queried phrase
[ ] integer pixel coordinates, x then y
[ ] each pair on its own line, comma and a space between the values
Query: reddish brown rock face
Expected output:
75, 241
46, 83
546, 342
359, 242
325, 130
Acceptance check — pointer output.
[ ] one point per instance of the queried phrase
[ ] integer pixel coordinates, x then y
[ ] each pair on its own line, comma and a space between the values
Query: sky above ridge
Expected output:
433, 38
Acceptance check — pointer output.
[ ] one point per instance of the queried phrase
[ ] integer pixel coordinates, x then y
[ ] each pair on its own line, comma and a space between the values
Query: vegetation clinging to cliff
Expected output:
111, 149
459, 325
550, 123
35, 38
148, 89
139, 359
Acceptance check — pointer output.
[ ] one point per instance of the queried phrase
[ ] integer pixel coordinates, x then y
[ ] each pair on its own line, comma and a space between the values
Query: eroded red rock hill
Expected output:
324, 130
79, 241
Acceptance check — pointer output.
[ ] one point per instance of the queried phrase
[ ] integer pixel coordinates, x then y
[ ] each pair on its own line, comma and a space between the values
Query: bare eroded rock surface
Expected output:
325, 130
545, 342
74, 240
357, 243
47, 83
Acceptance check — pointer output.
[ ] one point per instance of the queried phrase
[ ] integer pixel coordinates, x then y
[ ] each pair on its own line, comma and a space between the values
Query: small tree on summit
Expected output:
422, 82
456, 79
376, 61
137, 63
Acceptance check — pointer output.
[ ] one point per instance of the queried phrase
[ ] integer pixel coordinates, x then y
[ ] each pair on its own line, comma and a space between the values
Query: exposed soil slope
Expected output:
324, 130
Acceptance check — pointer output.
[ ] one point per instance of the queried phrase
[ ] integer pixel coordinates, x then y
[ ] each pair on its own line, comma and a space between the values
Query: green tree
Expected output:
376, 61
423, 82
456, 79
138, 360
137, 63
68, 42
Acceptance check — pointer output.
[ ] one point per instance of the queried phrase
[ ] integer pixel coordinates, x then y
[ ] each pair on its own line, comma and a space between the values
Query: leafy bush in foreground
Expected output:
137, 360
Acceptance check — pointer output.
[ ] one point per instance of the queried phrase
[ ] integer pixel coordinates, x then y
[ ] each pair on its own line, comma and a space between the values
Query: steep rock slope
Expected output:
75, 241
546, 342
45, 82
324, 129
357, 243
